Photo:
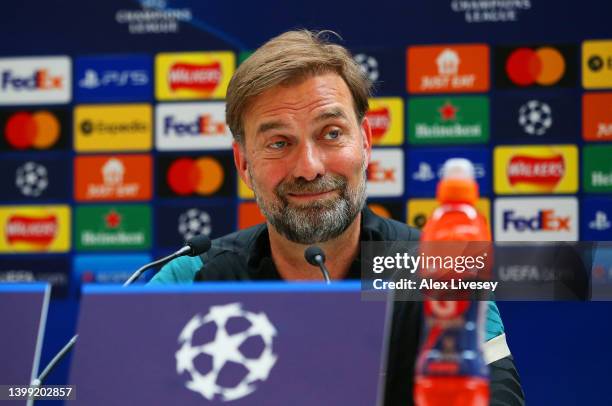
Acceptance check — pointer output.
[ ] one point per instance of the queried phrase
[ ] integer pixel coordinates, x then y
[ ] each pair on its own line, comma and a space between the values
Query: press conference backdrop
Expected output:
115, 149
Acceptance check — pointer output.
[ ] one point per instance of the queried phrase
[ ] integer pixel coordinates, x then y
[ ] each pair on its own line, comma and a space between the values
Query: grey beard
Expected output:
318, 221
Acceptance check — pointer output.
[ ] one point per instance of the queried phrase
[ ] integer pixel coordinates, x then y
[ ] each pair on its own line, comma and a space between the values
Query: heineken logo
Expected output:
438, 120
597, 169
113, 227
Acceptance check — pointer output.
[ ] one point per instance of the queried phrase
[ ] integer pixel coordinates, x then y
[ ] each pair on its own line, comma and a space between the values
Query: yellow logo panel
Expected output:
597, 64
243, 190
536, 169
386, 117
419, 210
34, 229
193, 75
113, 127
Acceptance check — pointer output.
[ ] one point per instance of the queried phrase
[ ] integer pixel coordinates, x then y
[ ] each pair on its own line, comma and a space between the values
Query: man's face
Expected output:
305, 157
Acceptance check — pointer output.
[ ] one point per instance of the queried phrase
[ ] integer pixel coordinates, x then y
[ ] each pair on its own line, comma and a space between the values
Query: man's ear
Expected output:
241, 163
366, 132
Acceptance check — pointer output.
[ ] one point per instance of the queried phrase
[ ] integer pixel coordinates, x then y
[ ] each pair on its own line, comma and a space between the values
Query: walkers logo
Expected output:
193, 75
113, 227
448, 68
35, 80
112, 78
113, 127
386, 117
175, 224
596, 219
536, 169
419, 210
444, 120
536, 66
119, 177
529, 219
34, 229
33, 129
425, 168
597, 64
597, 169
597, 116
191, 126
552, 116
210, 175
385, 173
40, 178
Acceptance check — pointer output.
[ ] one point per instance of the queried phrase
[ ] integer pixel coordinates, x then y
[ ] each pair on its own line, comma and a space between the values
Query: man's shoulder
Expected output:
386, 229
239, 242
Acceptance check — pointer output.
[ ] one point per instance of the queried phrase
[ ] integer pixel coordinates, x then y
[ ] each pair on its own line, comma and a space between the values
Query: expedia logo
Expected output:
545, 220
379, 121
202, 125
33, 230
41, 79
88, 127
113, 127
204, 78
541, 171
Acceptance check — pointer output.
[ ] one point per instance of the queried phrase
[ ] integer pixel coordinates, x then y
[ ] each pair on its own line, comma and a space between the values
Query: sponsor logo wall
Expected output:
121, 157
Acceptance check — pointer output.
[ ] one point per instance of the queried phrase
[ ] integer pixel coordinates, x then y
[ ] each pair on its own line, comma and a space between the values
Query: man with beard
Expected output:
302, 143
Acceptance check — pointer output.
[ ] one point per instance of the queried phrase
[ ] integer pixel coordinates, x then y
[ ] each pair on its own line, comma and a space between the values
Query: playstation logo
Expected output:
600, 222
91, 80
424, 173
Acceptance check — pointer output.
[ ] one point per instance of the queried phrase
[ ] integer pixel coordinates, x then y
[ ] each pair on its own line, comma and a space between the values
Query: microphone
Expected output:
316, 257
193, 247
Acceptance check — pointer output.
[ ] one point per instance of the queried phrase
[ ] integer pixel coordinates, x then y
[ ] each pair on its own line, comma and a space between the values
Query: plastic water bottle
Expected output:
450, 369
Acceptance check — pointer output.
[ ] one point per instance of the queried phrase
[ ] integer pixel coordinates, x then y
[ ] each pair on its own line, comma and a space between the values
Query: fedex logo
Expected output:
191, 126
41, 79
544, 220
385, 172
202, 125
536, 219
31, 80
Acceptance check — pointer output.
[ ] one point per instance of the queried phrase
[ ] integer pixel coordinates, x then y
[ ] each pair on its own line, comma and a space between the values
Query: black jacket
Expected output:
245, 255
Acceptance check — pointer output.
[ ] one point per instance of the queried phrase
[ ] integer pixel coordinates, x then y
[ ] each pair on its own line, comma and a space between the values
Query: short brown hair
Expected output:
287, 58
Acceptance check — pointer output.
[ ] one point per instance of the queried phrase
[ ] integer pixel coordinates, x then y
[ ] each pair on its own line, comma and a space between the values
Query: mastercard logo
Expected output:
543, 66
202, 176
38, 130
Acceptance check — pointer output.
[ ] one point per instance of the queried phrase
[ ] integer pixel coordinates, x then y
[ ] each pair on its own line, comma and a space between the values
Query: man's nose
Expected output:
308, 162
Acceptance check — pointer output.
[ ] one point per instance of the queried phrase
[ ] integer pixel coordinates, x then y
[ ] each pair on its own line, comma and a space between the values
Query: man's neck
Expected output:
340, 252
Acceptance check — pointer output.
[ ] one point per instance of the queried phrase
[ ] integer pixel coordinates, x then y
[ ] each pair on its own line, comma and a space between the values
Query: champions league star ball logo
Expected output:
31, 179
230, 354
368, 65
194, 222
535, 117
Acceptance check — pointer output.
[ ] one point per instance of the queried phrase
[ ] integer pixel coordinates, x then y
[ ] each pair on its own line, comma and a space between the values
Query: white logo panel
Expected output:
386, 172
191, 126
536, 219
35, 80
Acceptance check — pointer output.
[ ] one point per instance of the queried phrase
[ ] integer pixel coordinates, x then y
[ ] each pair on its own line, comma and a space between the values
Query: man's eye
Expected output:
332, 135
278, 144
